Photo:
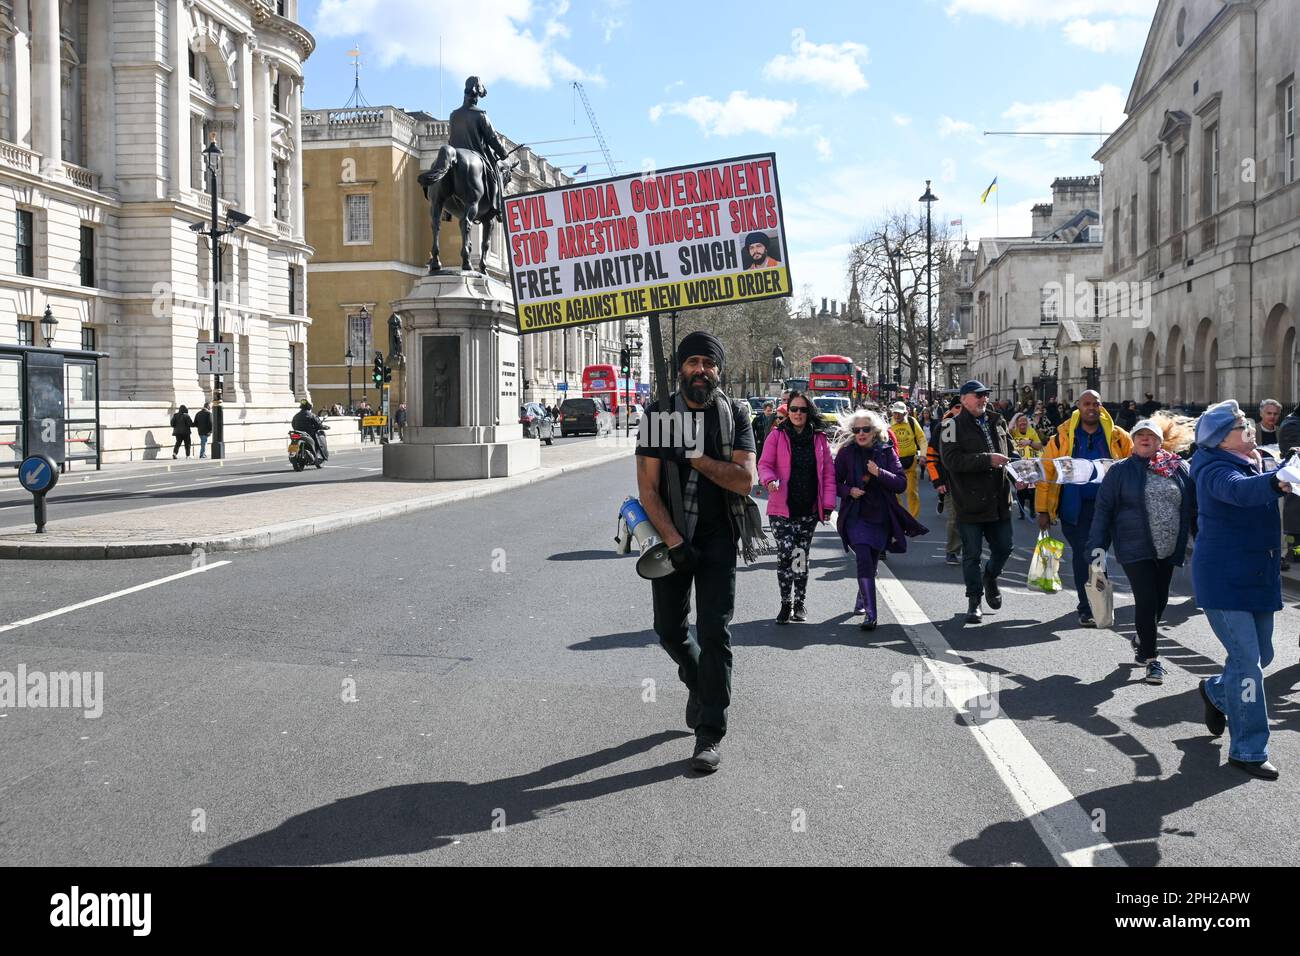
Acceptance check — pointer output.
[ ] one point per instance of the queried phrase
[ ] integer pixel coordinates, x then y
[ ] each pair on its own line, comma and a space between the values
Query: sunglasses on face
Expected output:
799, 410
860, 429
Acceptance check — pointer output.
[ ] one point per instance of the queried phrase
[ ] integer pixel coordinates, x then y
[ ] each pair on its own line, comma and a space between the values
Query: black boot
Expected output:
973, 613
991, 592
784, 616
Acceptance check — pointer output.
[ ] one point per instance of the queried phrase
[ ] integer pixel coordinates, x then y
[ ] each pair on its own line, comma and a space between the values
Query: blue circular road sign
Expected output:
38, 474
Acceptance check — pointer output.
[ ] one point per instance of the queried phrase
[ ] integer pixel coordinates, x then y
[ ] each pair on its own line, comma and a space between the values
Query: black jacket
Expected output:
181, 425
306, 421
203, 422
1288, 437
979, 491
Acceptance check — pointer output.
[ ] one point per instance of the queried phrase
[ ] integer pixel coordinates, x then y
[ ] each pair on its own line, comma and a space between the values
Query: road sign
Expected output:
374, 421
561, 386
215, 358
38, 474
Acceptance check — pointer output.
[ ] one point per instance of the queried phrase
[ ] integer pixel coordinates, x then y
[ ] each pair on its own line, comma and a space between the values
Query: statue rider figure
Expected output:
470, 128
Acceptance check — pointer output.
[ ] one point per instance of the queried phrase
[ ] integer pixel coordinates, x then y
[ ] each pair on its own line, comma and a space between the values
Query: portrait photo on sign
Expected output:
760, 251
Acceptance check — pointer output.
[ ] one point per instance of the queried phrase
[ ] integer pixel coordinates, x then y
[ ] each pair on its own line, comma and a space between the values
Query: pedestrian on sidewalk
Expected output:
1147, 507
1236, 578
974, 448
203, 425
1288, 438
1025, 438
691, 497
400, 421
1088, 434
799, 475
868, 479
181, 427
939, 479
909, 440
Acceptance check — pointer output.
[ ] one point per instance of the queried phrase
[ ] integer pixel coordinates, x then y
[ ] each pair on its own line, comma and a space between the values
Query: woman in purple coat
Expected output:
868, 477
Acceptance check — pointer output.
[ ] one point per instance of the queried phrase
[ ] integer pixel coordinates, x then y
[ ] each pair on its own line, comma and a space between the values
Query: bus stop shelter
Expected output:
49, 405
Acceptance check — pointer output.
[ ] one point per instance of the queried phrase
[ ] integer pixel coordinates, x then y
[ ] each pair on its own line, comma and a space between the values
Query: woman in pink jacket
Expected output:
797, 470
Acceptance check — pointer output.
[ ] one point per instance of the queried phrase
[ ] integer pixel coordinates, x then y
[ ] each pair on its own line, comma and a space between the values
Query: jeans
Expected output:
1150, 582
203, 446
1247, 636
703, 664
1077, 536
953, 545
973, 535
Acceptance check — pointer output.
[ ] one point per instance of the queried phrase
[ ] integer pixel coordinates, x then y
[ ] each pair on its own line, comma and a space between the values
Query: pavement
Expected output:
479, 684
248, 504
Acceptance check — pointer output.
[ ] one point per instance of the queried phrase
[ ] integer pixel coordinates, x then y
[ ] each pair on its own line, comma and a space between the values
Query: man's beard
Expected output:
699, 387
758, 258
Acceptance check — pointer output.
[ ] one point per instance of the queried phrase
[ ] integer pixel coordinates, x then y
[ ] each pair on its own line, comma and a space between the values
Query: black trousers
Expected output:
1150, 582
703, 664
181, 439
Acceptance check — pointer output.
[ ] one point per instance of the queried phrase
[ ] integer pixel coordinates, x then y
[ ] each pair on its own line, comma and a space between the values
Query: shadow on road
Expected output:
418, 817
583, 556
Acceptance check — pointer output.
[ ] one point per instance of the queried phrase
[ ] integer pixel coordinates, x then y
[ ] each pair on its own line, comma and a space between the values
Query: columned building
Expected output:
368, 222
1202, 195
105, 107
1024, 287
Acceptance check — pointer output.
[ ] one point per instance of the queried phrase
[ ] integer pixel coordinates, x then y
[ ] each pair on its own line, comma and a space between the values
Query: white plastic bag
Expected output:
1101, 596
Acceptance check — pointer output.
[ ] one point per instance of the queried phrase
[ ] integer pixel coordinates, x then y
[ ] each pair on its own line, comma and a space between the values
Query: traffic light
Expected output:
378, 372
624, 362
388, 374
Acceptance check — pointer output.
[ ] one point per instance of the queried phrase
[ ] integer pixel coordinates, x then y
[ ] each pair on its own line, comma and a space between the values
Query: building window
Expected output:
1210, 172
26, 258
293, 291
1114, 243
275, 191
194, 66
275, 96
1178, 192
293, 371
26, 332
356, 219
1050, 309
359, 337
1153, 207
88, 338
1288, 132
87, 256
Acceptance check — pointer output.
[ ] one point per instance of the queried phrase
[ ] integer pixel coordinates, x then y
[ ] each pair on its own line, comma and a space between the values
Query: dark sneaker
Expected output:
1087, 620
1216, 721
952, 559
1256, 768
973, 613
784, 616
1155, 672
991, 592
799, 613
868, 624
706, 757
693, 707
1137, 650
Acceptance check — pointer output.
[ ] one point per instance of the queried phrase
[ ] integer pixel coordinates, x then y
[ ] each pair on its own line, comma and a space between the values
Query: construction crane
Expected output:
595, 128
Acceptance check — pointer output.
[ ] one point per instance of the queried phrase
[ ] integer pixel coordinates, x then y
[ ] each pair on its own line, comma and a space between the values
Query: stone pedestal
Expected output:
462, 383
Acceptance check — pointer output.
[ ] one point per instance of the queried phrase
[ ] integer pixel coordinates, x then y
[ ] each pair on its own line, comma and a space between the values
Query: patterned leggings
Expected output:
793, 544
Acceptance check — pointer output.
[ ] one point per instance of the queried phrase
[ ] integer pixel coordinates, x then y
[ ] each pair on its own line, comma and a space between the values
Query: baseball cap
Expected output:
1149, 424
975, 387
898, 407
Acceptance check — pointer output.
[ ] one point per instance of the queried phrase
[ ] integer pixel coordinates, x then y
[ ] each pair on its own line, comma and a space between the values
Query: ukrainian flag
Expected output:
992, 186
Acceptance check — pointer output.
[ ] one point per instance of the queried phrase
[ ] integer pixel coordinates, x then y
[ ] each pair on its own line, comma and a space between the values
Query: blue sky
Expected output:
860, 101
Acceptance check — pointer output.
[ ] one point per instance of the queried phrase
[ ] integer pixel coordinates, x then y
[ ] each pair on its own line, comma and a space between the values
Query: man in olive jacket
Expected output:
974, 446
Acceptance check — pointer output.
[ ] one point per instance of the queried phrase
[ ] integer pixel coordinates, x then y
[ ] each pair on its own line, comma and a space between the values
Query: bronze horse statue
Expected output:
456, 185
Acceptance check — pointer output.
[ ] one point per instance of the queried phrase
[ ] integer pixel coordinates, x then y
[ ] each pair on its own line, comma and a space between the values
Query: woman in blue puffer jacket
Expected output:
1236, 576
1147, 507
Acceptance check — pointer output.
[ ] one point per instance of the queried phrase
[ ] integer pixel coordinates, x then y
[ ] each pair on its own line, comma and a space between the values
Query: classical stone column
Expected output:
262, 144
178, 96
47, 89
295, 134
246, 158
21, 108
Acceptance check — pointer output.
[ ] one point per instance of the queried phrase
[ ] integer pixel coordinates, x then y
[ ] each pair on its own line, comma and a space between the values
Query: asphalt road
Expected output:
512, 706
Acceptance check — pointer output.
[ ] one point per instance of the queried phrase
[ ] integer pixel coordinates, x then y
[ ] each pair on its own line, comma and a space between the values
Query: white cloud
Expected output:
1100, 109
951, 127
834, 66
740, 113
1108, 36
522, 36
824, 148
901, 120
1022, 12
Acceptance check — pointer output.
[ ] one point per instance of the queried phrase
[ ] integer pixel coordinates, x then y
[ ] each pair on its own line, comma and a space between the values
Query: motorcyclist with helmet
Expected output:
307, 423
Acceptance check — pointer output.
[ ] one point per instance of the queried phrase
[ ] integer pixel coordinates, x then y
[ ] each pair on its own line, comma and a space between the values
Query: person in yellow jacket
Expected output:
910, 440
1089, 434
1025, 437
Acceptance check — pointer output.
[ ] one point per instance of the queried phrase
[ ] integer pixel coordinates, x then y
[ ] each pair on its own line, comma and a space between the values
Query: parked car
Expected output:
537, 422
636, 413
580, 415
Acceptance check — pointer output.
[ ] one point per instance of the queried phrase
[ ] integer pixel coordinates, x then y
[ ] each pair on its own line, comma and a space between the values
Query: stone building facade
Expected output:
368, 222
105, 106
1202, 198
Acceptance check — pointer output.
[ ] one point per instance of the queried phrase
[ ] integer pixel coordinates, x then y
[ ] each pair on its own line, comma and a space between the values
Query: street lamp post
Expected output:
882, 343
928, 199
365, 324
897, 257
348, 358
49, 324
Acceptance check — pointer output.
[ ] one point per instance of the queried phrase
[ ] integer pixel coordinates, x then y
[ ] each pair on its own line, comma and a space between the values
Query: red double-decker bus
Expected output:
602, 381
834, 374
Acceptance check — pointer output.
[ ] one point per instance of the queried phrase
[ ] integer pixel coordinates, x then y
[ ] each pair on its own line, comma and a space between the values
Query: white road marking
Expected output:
1062, 824
109, 597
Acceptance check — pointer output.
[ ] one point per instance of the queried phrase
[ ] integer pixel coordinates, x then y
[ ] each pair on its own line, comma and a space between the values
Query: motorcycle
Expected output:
303, 450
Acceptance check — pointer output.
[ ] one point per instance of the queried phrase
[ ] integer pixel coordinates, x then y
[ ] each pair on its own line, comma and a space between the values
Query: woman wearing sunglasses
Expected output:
797, 471
868, 477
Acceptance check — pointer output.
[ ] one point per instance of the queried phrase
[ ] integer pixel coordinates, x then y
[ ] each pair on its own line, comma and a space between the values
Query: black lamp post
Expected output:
928, 199
214, 231
897, 256
882, 343
348, 358
365, 324
1094, 373
49, 324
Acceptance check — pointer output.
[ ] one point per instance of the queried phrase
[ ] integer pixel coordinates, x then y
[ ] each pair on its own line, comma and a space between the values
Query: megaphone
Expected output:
633, 522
